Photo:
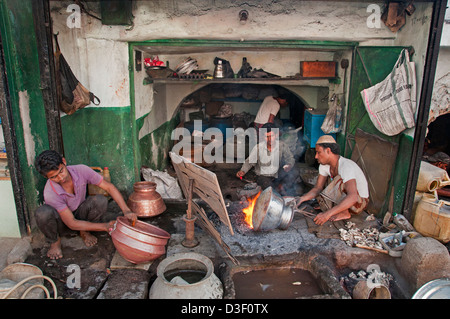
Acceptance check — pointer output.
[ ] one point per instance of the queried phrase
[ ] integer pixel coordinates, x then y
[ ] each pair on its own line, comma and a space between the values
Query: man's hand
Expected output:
132, 217
322, 218
287, 167
240, 174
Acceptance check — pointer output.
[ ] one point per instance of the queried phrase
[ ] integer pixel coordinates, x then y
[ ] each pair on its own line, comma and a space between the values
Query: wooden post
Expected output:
190, 240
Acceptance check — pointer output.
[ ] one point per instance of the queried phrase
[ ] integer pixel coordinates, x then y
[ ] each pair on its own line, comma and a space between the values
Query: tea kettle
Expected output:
218, 70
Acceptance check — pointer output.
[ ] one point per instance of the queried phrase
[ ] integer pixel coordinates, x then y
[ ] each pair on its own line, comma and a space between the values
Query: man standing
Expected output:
66, 203
348, 191
268, 110
267, 157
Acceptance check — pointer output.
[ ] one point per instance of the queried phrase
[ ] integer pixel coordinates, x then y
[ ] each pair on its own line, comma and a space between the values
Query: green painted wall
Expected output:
378, 61
102, 136
155, 147
22, 67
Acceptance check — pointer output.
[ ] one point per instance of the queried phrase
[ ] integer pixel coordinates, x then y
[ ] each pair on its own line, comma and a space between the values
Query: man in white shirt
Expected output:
268, 110
271, 158
348, 191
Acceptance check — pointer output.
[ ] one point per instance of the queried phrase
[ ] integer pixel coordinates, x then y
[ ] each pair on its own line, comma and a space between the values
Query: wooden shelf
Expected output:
272, 81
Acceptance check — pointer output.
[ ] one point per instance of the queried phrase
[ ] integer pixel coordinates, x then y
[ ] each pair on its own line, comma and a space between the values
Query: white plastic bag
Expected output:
391, 104
332, 122
166, 185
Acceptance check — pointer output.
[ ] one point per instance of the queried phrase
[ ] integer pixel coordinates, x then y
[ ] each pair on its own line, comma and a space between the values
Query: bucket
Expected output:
363, 290
15, 273
431, 178
432, 218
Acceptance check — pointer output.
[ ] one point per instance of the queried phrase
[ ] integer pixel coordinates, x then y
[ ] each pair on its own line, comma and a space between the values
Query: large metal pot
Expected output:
271, 212
139, 243
145, 201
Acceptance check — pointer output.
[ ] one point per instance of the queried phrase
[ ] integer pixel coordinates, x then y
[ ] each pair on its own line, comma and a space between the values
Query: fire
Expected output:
248, 211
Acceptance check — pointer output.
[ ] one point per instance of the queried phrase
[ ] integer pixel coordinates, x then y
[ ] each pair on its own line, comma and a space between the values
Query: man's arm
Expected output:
250, 161
288, 160
75, 224
320, 184
271, 118
117, 196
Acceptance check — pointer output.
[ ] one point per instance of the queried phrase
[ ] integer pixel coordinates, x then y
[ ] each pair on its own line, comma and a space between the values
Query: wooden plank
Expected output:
206, 186
206, 225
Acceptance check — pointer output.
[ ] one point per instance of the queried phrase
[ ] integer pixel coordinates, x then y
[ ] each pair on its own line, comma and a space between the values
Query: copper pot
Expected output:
145, 201
139, 243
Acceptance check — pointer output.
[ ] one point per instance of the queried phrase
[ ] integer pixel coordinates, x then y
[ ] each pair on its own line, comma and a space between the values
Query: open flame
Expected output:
248, 211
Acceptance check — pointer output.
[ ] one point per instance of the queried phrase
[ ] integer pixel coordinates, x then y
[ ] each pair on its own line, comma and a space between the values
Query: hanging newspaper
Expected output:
391, 104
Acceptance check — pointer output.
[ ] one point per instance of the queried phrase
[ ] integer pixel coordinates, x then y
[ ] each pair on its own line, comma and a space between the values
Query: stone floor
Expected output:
104, 274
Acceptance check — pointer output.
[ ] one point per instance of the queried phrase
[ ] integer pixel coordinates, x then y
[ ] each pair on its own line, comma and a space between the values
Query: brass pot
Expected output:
145, 201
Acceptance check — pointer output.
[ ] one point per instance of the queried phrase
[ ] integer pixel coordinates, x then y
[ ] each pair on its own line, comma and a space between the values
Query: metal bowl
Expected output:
435, 289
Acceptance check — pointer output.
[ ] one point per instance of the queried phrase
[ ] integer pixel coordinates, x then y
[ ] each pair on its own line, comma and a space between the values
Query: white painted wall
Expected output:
9, 225
98, 54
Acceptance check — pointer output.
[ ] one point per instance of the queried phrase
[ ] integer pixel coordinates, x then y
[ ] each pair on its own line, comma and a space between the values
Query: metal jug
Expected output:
218, 71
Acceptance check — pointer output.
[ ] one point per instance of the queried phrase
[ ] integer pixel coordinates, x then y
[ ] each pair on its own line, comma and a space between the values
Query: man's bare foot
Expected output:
89, 239
341, 216
55, 251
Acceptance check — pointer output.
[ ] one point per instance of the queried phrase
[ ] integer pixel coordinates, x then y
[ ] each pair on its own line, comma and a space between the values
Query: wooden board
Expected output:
206, 186
318, 69
376, 157
206, 225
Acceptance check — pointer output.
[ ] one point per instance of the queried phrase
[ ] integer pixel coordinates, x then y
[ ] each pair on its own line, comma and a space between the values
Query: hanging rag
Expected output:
72, 95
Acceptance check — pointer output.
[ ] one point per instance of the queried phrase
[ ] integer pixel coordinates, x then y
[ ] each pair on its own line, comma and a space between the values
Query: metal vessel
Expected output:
139, 243
145, 201
271, 212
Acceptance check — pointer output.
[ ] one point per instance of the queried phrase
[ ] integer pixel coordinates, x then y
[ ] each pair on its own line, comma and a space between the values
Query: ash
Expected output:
248, 242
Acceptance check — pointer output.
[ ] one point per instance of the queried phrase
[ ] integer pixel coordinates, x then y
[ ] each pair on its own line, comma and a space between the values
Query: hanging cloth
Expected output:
72, 95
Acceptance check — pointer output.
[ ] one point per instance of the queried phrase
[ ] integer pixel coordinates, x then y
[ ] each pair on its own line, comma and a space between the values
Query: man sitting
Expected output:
66, 204
267, 157
348, 190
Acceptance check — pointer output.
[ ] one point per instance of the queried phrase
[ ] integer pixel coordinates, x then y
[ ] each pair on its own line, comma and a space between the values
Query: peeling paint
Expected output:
24, 106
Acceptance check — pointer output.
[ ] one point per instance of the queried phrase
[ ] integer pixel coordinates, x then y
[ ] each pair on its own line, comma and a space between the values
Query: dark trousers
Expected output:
51, 225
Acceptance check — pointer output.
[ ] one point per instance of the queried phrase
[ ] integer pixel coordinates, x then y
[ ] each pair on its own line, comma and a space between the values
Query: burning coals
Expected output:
354, 236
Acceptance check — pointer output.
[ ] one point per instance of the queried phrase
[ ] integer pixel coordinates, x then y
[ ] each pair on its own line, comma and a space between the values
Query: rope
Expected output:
33, 287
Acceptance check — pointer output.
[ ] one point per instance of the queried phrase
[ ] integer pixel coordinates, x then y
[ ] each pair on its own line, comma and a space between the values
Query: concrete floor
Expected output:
104, 274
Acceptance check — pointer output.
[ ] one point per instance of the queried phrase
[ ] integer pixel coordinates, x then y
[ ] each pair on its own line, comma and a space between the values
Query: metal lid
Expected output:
435, 289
